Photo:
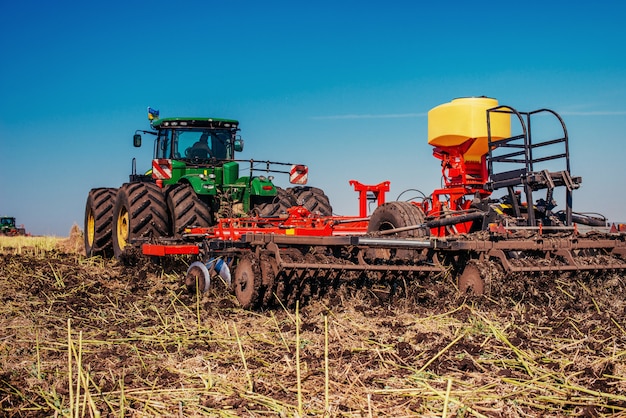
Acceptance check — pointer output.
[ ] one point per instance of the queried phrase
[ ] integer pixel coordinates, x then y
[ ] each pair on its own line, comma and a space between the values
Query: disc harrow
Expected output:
273, 267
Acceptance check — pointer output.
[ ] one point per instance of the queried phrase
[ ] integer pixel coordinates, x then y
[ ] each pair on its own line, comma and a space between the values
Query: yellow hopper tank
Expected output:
451, 124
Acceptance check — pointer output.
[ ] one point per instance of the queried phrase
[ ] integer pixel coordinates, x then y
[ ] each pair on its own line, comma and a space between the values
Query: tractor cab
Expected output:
195, 139
7, 222
195, 151
8, 226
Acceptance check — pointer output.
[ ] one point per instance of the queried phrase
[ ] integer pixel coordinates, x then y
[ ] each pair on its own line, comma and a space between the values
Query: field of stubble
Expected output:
91, 337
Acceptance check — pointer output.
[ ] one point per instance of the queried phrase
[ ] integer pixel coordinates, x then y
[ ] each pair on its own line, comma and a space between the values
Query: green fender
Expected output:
200, 186
258, 186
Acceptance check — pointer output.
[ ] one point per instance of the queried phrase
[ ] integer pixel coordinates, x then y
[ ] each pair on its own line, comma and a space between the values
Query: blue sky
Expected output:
343, 87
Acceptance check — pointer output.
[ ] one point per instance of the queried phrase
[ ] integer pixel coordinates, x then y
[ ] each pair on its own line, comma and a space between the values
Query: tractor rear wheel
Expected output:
140, 212
278, 206
186, 209
99, 222
313, 199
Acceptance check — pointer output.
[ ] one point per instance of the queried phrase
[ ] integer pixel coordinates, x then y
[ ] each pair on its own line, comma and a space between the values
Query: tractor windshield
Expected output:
195, 144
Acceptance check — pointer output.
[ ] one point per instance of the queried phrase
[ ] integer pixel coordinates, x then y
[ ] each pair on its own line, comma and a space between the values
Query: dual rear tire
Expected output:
99, 222
139, 211
311, 198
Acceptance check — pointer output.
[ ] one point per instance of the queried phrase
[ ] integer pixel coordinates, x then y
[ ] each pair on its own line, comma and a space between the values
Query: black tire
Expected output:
313, 199
186, 209
99, 222
392, 215
278, 206
140, 212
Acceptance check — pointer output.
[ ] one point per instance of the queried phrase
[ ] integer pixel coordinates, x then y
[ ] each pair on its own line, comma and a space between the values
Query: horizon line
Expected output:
372, 116
418, 115
594, 113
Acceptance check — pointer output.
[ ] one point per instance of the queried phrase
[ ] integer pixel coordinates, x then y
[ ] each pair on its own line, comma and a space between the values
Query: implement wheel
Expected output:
247, 282
140, 212
392, 215
99, 222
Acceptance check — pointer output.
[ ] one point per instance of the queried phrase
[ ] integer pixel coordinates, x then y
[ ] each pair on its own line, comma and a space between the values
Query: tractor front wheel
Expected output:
140, 212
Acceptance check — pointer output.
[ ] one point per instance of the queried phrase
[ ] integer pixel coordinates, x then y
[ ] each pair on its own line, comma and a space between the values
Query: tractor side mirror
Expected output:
238, 145
137, 140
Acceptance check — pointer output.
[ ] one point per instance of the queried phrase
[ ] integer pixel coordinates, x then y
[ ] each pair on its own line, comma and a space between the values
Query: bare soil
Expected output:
92, 337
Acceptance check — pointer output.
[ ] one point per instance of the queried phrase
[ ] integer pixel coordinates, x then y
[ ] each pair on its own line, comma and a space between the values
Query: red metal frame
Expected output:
379, 190
463, 180
298, 222
161, 250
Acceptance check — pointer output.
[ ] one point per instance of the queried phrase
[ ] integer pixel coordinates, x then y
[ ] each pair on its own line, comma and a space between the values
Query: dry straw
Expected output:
84, 338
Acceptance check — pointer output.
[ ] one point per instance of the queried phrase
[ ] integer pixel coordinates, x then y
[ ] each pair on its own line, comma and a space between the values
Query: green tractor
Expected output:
194, 181
8, 227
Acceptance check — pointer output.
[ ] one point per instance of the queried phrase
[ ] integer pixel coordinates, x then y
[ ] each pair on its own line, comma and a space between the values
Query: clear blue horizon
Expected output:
343, 87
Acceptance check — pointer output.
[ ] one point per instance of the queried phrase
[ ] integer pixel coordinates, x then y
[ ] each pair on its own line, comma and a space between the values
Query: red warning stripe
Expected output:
299, 174
161, 169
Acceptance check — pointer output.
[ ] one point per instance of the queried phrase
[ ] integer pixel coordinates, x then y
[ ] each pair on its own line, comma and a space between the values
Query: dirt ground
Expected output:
91, 337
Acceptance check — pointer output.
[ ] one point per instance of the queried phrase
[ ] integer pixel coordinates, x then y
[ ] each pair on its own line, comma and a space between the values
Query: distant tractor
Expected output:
194, 181
8, 227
